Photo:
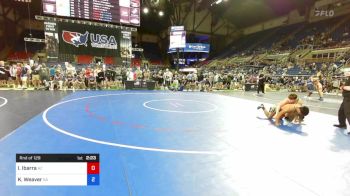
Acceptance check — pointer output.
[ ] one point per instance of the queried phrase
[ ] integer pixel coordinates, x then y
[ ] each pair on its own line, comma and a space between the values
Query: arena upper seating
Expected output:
279, 45
305, 30
151, 51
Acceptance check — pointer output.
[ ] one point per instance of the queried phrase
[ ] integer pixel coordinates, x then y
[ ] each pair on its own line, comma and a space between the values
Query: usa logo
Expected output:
75, 38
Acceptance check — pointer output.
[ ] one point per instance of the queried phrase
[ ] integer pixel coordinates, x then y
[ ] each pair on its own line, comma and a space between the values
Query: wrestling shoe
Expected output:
340, 126
346, 132
272, 110
261, 107
320, 99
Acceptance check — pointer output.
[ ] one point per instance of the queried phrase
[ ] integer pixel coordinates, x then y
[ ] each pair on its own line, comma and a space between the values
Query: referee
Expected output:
261, 84
344, 110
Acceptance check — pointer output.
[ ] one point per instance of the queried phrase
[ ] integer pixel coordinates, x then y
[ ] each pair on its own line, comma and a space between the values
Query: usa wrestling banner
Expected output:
89, 40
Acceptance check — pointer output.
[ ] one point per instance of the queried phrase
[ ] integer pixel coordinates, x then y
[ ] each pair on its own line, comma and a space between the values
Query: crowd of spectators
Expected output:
322, 40
98, 76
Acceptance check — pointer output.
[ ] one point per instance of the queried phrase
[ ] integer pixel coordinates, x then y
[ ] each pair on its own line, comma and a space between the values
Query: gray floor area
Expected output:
330, 105
23, 105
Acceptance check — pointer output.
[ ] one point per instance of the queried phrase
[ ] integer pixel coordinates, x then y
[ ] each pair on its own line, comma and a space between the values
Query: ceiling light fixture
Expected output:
145, 10
216, 2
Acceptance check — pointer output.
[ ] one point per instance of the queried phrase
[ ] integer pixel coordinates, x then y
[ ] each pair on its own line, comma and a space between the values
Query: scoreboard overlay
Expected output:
57, 169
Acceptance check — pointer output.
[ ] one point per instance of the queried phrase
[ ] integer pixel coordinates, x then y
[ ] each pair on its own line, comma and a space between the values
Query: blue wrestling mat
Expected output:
156, 143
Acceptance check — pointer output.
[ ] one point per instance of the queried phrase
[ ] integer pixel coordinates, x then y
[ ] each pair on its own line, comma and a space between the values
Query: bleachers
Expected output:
279, 45
66, 57
294, 71
19, 56
278, 35
266, 39
315, 28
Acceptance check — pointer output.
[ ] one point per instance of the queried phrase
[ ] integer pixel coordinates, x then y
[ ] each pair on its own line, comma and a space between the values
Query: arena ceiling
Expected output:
240, 13
243, 13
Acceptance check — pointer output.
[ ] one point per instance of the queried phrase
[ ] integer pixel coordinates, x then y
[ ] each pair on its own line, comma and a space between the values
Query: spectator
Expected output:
57, 82
87, 74
130, 75
146, 75
3, 74
13, 73
35, 75
52, 72
18, 75
69, 81
79, 80
167, 77
25, 75
100, 78
44, 74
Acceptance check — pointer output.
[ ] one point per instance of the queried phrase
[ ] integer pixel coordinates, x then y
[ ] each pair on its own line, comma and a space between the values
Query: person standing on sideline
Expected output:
344, 110
319, 87
261, 84
313, 83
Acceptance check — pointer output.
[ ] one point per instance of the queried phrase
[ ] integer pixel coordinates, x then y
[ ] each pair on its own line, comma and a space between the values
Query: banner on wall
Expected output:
193, 47
88, 40
51, 41
125, 44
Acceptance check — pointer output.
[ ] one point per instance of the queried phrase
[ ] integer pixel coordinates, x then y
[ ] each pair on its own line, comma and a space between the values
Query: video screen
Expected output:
115, 11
